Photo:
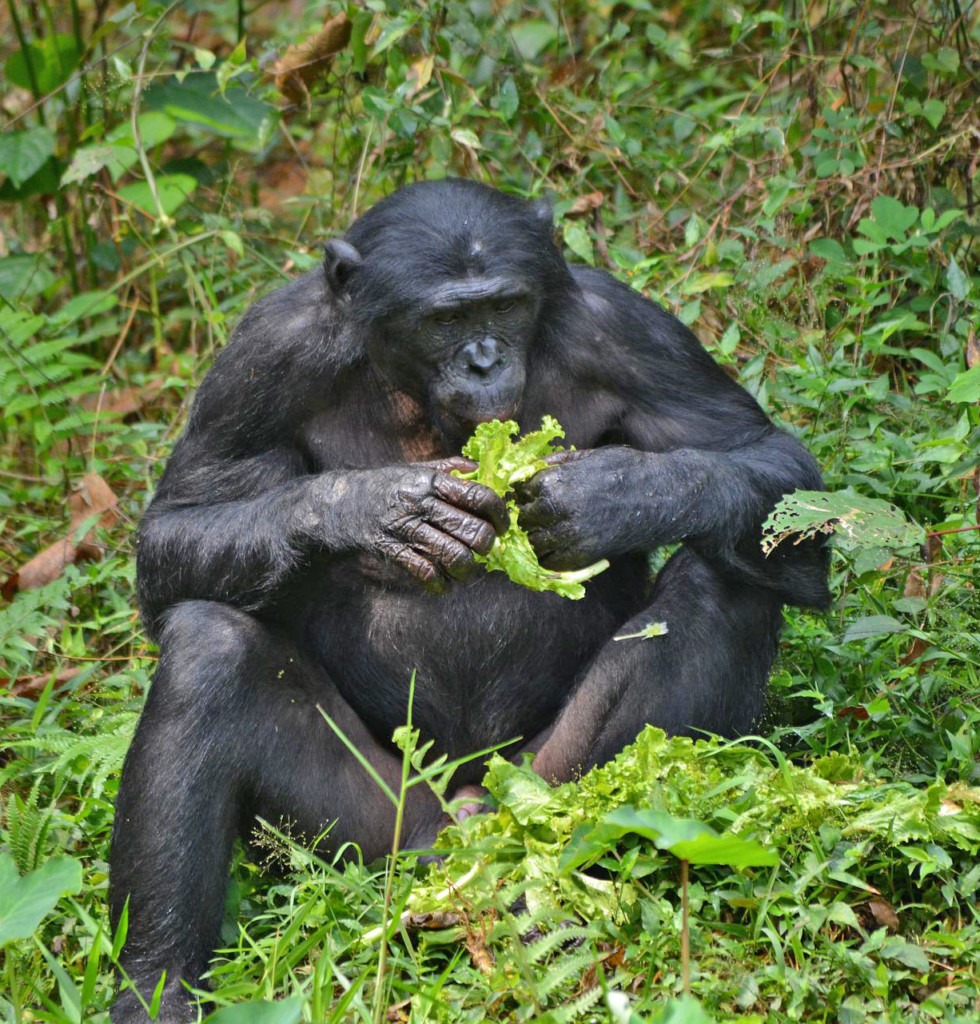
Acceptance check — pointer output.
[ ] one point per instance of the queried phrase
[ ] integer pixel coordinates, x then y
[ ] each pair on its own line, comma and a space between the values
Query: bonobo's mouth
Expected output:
456, 409
456, 427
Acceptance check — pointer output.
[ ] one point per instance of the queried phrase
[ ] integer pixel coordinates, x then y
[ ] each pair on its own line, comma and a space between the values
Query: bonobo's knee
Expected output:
207, 644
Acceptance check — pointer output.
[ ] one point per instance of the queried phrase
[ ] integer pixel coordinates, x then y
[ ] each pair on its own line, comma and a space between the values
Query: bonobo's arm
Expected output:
238, 509
701, 461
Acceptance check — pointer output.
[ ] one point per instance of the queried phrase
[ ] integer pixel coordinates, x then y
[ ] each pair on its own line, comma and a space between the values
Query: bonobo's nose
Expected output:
483, 355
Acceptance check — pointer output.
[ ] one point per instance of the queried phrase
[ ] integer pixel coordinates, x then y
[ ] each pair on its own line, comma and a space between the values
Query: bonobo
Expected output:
308, 546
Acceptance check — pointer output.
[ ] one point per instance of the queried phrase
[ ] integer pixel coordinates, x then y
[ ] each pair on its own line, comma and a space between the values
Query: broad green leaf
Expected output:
532, 36
118, 152
906, 953
466, 138
934, 111
966, 386
700, 283
873, 625
577, 239
892, 217
90, 160
957, 281
26, 900
261, 1011
682, 1010
85, 304
828, 249
173, 190
197, 101
23, 153
518, 789
507, 99
685, 838
53, 59
22, 277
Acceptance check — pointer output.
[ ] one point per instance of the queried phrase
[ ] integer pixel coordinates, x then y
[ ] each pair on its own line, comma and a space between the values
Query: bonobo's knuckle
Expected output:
411, 528
482, 539
451, 488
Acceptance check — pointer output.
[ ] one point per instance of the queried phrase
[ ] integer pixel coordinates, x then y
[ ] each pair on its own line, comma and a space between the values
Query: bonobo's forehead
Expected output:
424, 237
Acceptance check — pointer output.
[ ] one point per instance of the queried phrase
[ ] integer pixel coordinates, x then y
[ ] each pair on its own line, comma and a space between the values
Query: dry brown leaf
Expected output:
93, 498
433, 919
301, 65
122, 401
972, 349
884, 914
420, 74
479, 953
398, 1013
915, 585
585, 204
32, 686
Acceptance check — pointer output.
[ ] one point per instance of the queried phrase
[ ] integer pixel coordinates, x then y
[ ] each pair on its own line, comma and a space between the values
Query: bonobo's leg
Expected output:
230, 729
708, 673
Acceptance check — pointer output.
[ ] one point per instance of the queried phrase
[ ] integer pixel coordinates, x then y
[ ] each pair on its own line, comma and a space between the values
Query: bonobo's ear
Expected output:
340, 260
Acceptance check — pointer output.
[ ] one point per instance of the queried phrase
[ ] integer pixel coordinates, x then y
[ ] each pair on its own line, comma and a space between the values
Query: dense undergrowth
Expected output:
800, 183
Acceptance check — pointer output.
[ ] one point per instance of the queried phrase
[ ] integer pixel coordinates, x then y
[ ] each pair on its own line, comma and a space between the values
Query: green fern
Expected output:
27, 827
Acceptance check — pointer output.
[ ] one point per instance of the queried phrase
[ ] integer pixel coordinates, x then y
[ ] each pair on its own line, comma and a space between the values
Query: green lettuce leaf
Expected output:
501, 463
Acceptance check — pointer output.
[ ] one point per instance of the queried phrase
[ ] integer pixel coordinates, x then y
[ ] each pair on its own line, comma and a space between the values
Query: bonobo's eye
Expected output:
503, 305
446, 317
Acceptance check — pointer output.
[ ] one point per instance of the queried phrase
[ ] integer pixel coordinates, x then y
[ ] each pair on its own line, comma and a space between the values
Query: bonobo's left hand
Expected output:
588, 505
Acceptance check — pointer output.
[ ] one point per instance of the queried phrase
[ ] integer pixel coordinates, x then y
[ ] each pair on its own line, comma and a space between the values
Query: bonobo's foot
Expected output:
468, 800
472, 797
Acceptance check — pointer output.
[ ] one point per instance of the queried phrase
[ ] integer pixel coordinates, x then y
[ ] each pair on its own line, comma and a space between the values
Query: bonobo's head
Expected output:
449, 281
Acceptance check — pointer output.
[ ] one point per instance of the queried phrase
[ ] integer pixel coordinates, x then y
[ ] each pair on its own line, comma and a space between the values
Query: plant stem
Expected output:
685, 933
378, 1014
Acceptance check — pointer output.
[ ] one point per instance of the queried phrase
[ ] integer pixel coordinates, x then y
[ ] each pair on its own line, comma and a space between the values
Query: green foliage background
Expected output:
800, 183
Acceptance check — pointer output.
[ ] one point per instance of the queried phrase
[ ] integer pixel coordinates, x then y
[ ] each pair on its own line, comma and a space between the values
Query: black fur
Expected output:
307, 547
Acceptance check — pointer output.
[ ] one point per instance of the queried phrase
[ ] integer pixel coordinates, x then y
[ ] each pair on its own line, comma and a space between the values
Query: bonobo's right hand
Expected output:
418, 516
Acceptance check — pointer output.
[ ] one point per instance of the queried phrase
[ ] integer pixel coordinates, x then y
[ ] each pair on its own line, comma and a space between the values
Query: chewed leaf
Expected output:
648, 632
858, 521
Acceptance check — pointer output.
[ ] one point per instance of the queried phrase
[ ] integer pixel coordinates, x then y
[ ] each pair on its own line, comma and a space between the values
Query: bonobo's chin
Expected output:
456, 427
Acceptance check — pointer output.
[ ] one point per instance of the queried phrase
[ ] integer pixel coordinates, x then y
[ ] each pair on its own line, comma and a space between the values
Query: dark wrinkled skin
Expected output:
308, 549
428, 522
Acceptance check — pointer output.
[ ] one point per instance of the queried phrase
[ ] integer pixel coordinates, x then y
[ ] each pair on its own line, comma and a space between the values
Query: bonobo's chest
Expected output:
383, 428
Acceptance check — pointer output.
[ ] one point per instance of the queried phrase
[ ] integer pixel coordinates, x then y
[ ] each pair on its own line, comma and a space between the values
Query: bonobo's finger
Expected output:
527, 490
537, 513
545, 545
415, 564
445, 552
475, 533
569, 455
455, 462
473, 497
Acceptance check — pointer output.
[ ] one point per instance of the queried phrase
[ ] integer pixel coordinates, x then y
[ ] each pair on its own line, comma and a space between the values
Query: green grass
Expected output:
799, 182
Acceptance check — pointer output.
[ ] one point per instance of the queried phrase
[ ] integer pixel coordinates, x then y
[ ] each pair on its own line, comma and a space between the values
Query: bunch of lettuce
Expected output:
501, 463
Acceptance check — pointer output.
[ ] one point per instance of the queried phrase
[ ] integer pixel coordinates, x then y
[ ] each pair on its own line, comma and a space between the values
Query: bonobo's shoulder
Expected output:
297, 313
291, 345
297, 330
629, 315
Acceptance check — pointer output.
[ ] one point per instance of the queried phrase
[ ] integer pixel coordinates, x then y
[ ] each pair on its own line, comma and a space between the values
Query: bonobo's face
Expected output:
461, 351
448, 283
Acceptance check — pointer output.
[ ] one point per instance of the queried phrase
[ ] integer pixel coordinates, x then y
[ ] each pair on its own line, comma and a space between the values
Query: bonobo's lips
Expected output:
457, 425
